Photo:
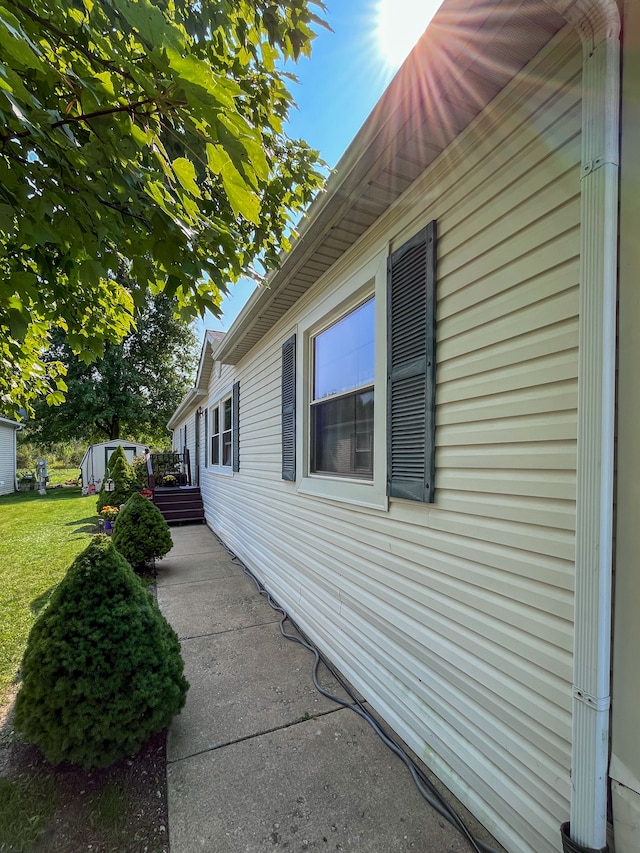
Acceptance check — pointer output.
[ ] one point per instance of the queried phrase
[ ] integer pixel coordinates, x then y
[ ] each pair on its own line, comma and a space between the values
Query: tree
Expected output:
141, 533
144, 133
131, 391
124, 481
102, 670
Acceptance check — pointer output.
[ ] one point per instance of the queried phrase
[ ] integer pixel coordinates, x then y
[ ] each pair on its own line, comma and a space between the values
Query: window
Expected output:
215, 436
342, 405
225, 434
364, 416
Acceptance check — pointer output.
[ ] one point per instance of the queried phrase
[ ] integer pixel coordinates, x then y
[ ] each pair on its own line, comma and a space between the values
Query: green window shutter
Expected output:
411, 313
235, 426
289, 409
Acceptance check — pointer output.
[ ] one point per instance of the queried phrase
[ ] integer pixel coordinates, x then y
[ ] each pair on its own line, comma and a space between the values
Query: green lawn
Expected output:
61, 475
57, 475
39, 538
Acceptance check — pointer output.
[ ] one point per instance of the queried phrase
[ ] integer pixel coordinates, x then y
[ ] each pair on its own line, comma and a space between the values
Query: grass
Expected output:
57, 474
63, 809
61, 475
39, 538
26, 807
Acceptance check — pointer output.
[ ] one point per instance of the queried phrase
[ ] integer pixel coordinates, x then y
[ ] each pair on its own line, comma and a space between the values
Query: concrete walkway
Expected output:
258, 760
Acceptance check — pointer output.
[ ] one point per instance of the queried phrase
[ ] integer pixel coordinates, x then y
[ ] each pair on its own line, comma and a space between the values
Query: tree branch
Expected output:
87, 117
47, 25
123, 211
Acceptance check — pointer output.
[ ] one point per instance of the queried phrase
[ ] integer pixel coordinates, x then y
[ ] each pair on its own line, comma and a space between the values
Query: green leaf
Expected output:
90, 272
149, 21
55, 398
18, 324
198, 73
217, 158
185, 172
243, 201
15, 43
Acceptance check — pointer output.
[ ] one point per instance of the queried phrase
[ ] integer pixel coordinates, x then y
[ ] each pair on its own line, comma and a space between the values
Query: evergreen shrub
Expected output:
140, 470
102, 670
141, 533
124, 480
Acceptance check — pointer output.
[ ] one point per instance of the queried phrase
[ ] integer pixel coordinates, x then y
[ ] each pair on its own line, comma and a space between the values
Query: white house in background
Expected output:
409, 436
95, 461
8, 431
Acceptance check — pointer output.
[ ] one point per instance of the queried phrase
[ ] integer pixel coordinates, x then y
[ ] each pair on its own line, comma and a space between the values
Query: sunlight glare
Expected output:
400, 23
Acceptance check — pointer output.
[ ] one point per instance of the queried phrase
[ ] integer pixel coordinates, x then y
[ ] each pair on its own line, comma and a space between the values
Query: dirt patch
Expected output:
121, 809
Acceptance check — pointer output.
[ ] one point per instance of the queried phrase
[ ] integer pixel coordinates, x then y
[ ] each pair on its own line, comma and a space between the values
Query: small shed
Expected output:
8, 430
94, 462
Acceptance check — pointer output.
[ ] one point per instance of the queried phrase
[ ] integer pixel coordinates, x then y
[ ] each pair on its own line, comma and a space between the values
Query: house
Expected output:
8, 431
410, 436
185, 421
95, 461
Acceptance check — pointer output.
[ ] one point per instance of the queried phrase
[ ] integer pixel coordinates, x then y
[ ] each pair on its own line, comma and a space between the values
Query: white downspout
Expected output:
598, 23
15, 456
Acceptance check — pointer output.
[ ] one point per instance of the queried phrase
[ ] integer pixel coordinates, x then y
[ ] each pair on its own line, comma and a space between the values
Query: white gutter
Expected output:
598, 24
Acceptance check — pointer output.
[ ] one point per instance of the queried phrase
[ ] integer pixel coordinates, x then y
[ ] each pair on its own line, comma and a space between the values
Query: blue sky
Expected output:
339, 85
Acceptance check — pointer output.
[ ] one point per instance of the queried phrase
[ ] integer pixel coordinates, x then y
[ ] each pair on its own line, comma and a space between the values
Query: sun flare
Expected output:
400, 23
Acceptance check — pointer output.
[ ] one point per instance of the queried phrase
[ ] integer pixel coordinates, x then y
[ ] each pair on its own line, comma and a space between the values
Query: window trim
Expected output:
366, 282
215, 406
226, 433
215, 435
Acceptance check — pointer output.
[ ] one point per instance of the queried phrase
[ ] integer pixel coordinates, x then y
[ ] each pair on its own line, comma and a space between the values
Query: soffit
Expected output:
469, 53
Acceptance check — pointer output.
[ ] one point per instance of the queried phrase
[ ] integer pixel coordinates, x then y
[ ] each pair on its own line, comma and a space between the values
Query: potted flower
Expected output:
108, 515
169, 480
146, 493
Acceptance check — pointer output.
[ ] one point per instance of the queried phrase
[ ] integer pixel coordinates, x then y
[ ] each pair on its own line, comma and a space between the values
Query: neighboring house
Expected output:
409, 436
95, 461
8, 431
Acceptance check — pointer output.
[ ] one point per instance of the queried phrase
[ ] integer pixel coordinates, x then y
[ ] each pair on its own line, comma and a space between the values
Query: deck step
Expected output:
180, 504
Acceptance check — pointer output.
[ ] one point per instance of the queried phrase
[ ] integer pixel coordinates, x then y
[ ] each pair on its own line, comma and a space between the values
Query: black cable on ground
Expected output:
424, 785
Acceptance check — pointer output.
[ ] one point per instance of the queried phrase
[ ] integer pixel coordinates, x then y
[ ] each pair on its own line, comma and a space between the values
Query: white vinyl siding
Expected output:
455, 619
184, 435
7, 459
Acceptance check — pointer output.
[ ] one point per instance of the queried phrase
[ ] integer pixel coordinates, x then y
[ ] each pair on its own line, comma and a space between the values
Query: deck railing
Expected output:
169, 469
150, 475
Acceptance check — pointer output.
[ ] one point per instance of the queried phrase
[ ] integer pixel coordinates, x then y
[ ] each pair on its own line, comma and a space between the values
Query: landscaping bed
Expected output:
63, 809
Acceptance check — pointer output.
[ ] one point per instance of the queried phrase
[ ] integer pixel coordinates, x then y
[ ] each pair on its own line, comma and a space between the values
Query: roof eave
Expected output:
426, 104
15, 424
191, 398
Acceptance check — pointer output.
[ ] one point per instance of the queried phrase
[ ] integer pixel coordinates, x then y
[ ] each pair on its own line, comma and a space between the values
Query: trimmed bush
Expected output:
140, 533
102, 670
140, 471
124, 480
